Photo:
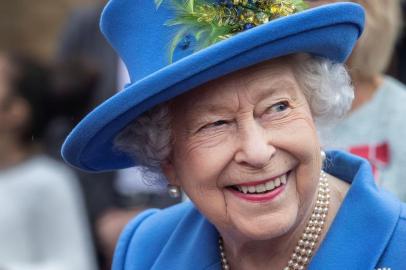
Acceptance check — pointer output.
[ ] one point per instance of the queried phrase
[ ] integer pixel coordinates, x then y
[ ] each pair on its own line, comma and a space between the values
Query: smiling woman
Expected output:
249, 143
235, 126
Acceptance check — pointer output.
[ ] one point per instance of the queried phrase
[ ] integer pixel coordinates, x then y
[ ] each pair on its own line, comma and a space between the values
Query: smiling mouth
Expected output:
262, 187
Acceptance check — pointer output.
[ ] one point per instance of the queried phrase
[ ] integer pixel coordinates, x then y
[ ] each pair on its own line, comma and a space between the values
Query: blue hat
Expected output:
139, 32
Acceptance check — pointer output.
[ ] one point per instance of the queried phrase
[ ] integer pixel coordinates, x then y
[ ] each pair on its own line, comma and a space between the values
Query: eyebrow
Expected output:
263, 91
269, 90
216, 108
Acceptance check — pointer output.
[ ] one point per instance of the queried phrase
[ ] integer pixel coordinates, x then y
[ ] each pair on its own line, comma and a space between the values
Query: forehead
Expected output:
254, 83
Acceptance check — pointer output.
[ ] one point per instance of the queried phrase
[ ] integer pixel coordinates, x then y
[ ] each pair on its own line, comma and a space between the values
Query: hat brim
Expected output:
328, 31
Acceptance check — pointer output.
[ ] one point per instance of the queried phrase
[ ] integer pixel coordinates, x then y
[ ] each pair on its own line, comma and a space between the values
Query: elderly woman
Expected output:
229, 114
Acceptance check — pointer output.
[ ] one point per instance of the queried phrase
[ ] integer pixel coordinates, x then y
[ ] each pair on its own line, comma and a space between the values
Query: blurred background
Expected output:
36, 27
54, 68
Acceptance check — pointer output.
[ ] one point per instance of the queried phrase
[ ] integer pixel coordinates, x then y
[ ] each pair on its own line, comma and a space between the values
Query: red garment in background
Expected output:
377, 154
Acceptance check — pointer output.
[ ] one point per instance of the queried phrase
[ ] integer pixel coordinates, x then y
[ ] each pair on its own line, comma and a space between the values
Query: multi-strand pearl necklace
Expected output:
308, 241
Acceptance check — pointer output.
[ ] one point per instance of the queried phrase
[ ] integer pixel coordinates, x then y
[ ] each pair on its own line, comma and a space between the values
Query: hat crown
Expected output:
143, 31
136, 29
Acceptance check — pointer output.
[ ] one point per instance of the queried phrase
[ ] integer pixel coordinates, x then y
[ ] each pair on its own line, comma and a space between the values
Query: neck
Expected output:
11, 151
365, 88
276, 252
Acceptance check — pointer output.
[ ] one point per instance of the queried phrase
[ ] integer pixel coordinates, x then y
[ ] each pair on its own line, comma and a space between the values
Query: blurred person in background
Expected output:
112, 198
375, 128
398, 65
43, 224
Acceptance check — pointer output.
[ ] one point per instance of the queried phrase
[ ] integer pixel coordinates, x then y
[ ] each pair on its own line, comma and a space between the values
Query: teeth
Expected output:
283, 179
270, 185
261, 188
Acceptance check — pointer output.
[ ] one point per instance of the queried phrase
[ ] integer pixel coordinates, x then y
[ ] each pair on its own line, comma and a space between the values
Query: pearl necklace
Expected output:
304, 248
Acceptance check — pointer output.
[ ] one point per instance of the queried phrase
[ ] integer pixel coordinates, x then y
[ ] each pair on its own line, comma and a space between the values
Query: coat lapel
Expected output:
215, 266
193, 245
364, 223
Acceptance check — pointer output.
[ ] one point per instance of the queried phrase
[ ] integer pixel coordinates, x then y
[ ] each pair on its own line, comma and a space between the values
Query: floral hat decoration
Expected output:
211, 22
173, 46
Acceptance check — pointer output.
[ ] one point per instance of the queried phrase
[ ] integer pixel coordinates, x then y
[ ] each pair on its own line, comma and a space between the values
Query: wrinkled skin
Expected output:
252, 125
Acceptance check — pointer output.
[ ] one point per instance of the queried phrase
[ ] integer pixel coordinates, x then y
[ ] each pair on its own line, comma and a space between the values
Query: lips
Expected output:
261, 187
261, 190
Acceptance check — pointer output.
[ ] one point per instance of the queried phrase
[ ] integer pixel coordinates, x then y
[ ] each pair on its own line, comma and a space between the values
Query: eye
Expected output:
219, 123
279, 107
215, 124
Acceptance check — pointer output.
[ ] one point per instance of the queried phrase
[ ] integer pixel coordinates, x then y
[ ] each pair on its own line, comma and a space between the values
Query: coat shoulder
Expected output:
394, 254
146, 234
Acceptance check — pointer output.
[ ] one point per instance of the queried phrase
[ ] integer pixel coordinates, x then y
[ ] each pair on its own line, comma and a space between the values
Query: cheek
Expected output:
200, 171
296, 135
298, 138
202, 164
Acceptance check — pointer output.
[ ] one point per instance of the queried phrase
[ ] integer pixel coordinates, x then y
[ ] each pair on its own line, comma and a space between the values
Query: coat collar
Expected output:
366, 218
192, 245
364, 223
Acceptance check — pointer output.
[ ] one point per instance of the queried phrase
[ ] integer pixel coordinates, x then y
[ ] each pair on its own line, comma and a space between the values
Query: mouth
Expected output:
261, 190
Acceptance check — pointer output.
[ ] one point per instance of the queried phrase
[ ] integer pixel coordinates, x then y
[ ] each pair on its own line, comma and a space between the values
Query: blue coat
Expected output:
369, 231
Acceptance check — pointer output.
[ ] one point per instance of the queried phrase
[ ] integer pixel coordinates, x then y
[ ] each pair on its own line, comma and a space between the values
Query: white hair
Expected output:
326, 85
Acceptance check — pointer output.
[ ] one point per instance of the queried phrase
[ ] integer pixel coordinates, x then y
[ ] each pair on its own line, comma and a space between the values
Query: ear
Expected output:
168, 168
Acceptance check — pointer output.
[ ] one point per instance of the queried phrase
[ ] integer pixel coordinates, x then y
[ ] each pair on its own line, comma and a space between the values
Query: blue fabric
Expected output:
368, 232
137, 32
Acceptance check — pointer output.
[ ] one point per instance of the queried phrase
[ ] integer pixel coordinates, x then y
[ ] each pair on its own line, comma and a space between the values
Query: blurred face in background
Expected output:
371, 56
13, 110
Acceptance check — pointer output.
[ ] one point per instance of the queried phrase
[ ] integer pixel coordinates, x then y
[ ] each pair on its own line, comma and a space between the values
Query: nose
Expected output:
254, 147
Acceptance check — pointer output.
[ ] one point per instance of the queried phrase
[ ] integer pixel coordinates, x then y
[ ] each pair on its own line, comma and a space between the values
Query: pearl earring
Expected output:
323, 155
173, 191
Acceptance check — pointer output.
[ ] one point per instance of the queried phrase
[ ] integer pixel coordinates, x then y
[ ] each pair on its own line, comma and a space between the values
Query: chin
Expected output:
271, 219
266, 226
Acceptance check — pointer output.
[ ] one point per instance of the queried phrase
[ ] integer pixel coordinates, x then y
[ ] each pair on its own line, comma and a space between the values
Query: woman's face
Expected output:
246, 151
